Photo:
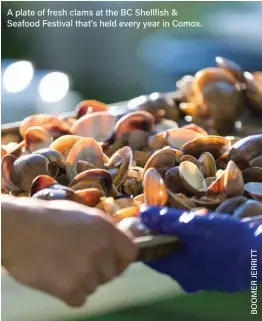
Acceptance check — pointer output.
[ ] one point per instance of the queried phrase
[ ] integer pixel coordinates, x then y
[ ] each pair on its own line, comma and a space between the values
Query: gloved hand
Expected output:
216, 255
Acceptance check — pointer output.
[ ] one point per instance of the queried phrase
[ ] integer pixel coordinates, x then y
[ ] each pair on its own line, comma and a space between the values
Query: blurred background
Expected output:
115, 64
49, 70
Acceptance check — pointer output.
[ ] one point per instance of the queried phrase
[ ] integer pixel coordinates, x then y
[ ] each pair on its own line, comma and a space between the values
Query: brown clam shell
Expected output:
90, 106
177, 137
120, 164
164, 158
37, 138
93, 178
252, 174
154, 188
98, 125
26, 168
7, 164
216, 145
207, 164
233, 68
41, 182
140, 120
157, 141
52, 155
191, 177
64, 144
86, 149
180, 201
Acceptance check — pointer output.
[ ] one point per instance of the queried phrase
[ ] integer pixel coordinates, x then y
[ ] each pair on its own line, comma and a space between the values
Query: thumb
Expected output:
160, 219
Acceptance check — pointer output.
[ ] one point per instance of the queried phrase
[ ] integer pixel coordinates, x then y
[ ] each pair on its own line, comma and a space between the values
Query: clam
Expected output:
218, 185
141, 157
3, 152
233, 180
215, 145
217, 90
233, 68
93, 178
137, 139
98, 125
86, 149
207, 164
26, 168
159, 105
190, 158
230, 205
7, 164
164, 158
82, 166
50, 194
140, 120
157, 141
254, 189
64, 144
36, 138
192, 178
254, 91
51, 123
154, 188
173, 181
119, 165
256, 162
41, 182
245, 150
132, 186
248, 209
195, 128
53, 156
252, 174
177, 137
90, 106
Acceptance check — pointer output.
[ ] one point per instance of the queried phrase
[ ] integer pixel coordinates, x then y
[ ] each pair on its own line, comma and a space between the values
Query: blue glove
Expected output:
216, 255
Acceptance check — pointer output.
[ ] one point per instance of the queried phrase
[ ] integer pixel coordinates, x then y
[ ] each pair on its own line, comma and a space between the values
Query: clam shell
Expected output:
131, 211
7, 164
180, 201
53, 156
233, 68
250, 208
164, 158
230, 205
41, 182
252, 174
37, 138
120, 163
207, 164
215, 145
86, 149
157, 141
196, 129
173, 181
64, 144
208, 201
177, 137
191, 177
26, 168
233, 180
98, 125
154, 188
140, 120
254, 189
90, 106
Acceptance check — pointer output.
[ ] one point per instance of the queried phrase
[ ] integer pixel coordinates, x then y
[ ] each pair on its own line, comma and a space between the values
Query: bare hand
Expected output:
62, 248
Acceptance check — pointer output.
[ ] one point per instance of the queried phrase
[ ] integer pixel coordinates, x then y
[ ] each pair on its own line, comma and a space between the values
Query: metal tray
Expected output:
151, 247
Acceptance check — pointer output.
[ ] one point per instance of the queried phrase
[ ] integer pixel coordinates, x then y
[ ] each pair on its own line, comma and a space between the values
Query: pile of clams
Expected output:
168, 150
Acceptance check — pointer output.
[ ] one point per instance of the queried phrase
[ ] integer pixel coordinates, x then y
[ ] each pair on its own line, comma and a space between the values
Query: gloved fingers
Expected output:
160, 219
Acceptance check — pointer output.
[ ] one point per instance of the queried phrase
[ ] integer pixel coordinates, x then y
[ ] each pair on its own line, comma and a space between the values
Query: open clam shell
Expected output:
155, 191
180, 201
36, 138
98, 125
164, 158
93, 178
86, 149
177, 137
192, 178
41, 182
7, 164
90, 106
64, 144
250, 208
119, 165
140, 120
207, 164
230, 205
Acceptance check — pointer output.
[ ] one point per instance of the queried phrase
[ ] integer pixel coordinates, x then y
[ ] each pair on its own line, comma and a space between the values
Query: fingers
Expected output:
160, 219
